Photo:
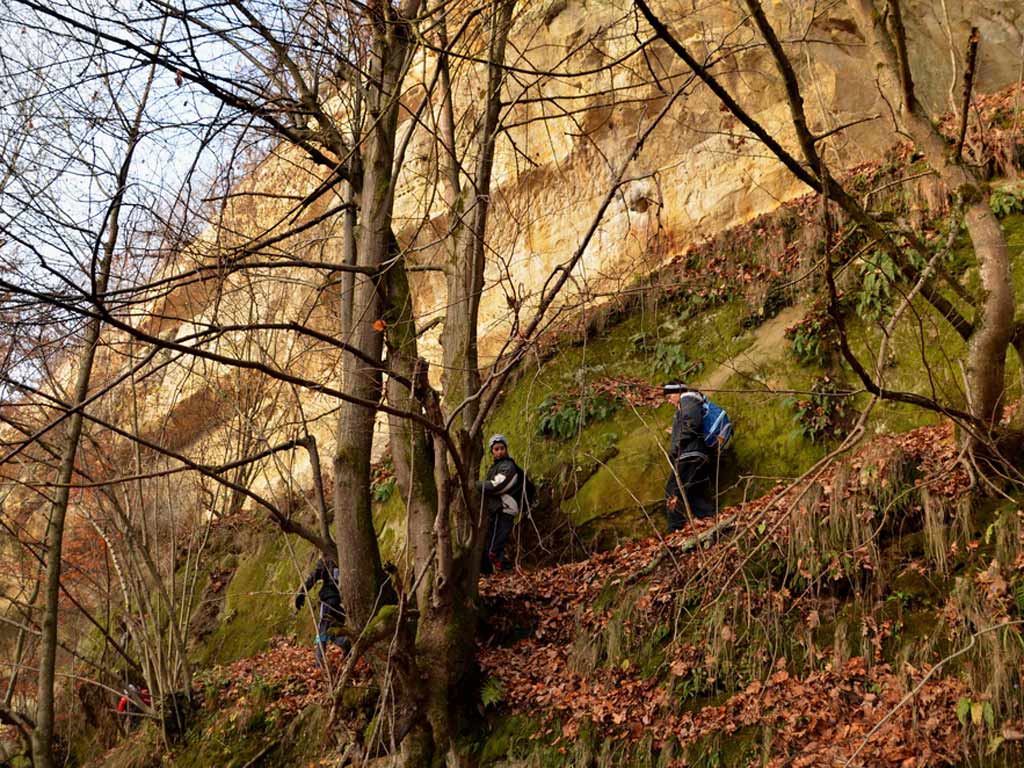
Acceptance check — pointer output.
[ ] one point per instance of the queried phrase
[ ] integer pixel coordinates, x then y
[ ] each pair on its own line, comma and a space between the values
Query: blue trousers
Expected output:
498, 532
328, 626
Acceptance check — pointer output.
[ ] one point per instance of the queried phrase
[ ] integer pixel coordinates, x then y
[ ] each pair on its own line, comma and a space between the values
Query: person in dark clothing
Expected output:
331, 617
502, 488
688, 486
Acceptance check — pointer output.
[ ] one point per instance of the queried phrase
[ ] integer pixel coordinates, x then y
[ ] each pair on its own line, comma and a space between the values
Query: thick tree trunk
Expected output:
445, 640
986, 355
431, 668
362, 577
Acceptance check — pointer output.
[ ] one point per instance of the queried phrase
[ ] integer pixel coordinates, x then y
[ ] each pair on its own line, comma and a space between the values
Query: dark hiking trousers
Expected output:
498, 532
693, 474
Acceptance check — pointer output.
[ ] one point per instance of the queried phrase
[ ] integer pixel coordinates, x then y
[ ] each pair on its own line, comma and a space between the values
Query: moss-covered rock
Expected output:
258, 604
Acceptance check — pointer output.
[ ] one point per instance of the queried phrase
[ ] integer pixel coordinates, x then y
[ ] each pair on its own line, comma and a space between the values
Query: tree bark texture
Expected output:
993, 327
362, 576
411, 448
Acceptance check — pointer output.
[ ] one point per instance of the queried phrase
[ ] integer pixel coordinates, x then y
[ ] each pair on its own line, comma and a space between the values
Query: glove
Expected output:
300, 599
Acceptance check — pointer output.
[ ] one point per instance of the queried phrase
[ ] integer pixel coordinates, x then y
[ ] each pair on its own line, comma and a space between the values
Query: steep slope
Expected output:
568, 123
870, 615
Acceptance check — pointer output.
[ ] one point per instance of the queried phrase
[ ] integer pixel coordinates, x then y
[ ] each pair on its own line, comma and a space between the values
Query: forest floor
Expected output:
829, 709
673, 650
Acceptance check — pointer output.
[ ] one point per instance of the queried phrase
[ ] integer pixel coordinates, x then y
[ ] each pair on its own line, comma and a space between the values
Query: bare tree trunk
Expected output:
42, 735
465, 279
362, 577
447, 624
986, 356
411, 448
424, 481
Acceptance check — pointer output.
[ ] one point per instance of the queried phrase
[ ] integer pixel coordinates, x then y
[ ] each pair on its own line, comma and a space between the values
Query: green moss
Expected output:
1013, 226
511, 737
912, 587
634, 477
650, 658
389, 521
240, 738
258, 604
245, 735
617, 465
742, 748
767, 445
711, 338
384, 619
303, 737
354, 698
616, 468
609, 592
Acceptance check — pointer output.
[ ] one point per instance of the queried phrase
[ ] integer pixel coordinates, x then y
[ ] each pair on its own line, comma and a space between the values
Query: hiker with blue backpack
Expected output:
331, 618
700, 430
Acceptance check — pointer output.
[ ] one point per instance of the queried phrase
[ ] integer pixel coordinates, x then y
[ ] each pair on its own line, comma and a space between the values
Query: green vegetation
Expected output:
825, 414
814, 338
258, 604
603, 455
562, 418
605, 458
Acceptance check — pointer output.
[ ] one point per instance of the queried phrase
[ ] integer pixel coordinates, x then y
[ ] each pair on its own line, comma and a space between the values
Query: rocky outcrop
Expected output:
577, 97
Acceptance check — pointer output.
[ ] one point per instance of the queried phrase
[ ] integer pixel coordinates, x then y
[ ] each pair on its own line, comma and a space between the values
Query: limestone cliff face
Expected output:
698, 173
567, 130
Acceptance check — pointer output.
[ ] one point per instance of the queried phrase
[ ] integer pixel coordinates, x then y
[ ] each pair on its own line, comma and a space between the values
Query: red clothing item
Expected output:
144, 697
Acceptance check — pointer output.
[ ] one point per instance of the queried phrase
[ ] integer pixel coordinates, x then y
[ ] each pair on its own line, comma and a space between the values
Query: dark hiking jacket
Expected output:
327, 574
688, 429
503, 487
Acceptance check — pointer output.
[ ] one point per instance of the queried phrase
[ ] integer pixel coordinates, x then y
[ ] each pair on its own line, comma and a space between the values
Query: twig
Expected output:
920, 685
259, 755
899, 33
972, 57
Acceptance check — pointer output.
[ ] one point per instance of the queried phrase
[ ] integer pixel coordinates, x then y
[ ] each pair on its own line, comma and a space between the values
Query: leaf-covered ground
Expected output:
669, 644
821, 709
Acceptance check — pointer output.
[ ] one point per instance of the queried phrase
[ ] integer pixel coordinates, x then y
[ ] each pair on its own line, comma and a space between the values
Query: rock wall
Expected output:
567, 130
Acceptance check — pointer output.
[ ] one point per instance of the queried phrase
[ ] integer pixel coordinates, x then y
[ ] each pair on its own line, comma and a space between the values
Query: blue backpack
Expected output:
717, 426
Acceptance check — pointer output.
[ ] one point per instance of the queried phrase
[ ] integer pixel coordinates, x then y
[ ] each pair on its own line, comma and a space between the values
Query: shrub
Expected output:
562, 416
815, 338
826, 414
878, 274
1007, 201
667, 349
670, 359
382, 480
